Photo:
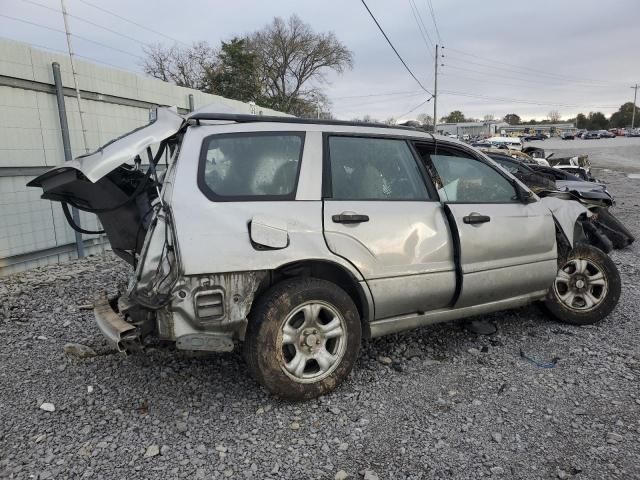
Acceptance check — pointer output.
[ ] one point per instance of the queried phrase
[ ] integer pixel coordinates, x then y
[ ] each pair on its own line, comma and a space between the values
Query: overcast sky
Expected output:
570, 56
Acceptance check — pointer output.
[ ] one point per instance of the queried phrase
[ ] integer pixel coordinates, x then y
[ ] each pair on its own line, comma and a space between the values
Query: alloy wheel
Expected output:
313, 341
580, 285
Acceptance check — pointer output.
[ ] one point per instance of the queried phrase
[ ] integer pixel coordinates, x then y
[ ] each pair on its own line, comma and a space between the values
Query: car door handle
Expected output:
347, 217
473, 218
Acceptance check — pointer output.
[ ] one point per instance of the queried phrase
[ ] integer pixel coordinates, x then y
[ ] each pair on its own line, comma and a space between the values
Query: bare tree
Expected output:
489, 117
425, 118
186, 67
291, 56
553, 116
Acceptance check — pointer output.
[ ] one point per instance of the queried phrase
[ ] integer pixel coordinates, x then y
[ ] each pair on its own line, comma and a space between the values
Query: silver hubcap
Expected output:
314, 341
580, 285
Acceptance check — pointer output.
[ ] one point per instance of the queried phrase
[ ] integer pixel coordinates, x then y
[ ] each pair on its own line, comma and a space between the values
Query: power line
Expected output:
58, 50
380, 100
413, 109
520, 79
394, 48
378, 95
89, 22
528, 70
433, 17
635, 97
21, 20
511, 70
144, 27
486, 80
424, 34
529, 102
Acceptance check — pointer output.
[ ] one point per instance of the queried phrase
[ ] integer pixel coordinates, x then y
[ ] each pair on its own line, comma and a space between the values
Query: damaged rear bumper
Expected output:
124, 336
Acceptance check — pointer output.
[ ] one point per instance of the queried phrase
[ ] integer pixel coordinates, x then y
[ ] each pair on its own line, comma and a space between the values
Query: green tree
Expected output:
622, 118
597, 121
512, 119
455, 117
235, 74
582, 121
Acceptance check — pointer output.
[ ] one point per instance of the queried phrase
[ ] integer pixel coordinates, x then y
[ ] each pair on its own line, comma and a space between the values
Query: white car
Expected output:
513, 143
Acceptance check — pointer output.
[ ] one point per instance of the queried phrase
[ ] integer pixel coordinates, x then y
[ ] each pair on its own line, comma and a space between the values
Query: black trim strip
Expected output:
457, 253
243, 118
74, 225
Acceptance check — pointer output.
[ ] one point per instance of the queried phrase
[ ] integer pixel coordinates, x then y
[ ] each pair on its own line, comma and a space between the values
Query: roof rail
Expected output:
243, 118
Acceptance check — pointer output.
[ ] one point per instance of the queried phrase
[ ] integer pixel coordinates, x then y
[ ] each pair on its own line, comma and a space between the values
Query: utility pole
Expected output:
635, 96
435, 92
74, 75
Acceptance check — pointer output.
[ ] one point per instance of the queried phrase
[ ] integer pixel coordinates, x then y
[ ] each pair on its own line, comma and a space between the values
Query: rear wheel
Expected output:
303, 338
586, 288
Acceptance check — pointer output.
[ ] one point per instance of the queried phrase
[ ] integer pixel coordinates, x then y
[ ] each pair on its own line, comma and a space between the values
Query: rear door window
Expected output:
369, 168
251, 166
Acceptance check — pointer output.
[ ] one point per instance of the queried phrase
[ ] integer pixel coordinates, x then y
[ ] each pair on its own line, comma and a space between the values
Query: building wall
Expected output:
34, 232
548, 128
485, 129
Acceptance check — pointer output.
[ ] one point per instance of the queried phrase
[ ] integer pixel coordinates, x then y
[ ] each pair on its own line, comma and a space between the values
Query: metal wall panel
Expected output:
34, 232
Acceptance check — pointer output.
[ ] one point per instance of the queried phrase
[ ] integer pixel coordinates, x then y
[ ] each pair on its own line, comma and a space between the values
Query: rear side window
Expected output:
364, 168
255, 166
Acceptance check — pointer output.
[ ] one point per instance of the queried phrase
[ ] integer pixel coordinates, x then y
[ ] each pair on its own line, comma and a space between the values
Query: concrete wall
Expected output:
34, 232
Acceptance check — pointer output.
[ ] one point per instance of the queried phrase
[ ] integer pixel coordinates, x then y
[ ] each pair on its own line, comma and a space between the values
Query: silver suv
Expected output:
300, 238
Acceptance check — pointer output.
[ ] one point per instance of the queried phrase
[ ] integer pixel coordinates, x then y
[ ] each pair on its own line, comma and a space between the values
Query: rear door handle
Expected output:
347, 217
474, 218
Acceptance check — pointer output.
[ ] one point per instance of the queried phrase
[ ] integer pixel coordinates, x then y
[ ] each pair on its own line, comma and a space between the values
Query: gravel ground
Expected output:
439, 402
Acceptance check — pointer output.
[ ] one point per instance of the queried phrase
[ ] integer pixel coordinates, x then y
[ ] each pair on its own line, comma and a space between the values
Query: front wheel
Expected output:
586, 288
303, 338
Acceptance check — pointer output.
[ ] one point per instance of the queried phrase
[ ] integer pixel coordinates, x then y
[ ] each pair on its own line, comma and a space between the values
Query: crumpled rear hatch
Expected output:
113, 183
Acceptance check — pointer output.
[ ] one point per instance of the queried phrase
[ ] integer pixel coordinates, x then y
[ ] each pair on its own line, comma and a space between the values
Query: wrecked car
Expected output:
603, 229
299, 238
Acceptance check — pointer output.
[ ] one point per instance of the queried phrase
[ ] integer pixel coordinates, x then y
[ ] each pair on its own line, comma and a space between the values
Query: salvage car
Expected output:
513, 143
559, 180
301, 237
516, 154
603, 229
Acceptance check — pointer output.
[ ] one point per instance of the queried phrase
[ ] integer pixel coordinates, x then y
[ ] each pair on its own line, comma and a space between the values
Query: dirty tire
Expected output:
608, 286
263, 348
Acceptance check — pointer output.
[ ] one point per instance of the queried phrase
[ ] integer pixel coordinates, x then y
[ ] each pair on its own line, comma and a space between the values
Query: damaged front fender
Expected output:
566, 213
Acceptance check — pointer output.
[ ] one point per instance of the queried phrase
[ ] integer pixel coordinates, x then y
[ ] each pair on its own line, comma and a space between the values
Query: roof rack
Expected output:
243, 118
